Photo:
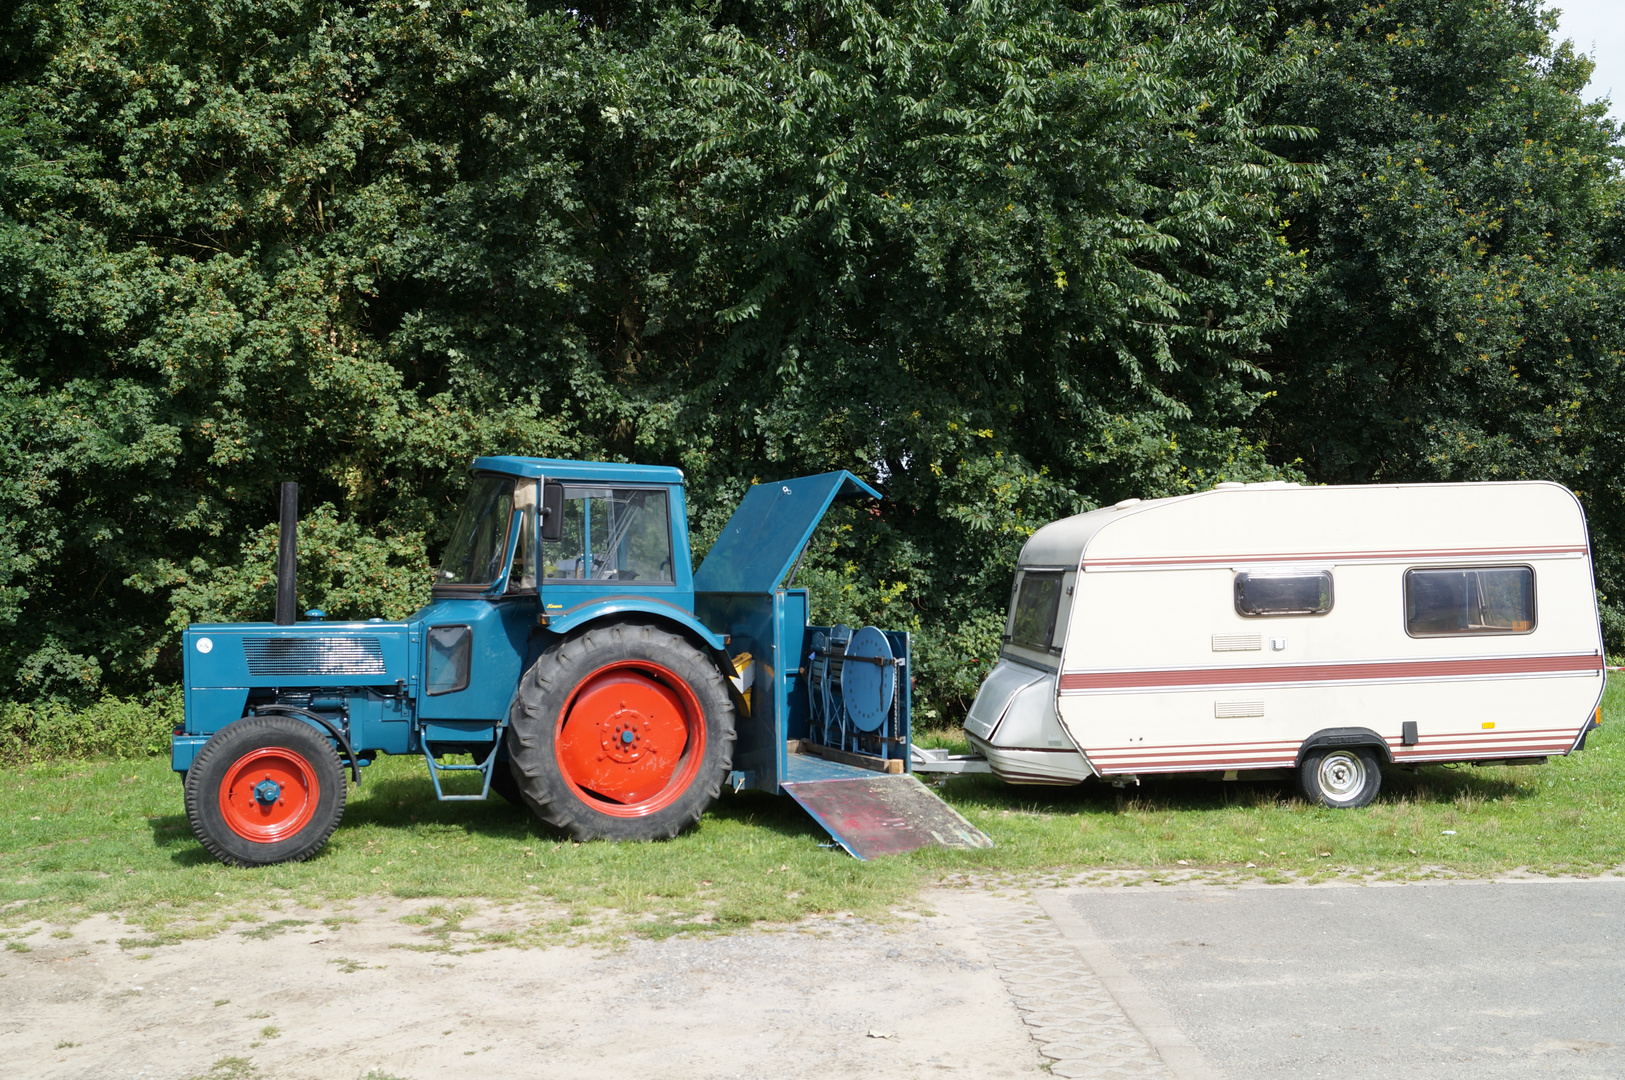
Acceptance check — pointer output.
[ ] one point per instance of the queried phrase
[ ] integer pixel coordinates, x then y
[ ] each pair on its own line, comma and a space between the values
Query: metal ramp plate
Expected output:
871, 814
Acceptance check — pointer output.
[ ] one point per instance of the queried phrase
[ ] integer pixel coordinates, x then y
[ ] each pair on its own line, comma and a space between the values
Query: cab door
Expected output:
474, 645
614, 541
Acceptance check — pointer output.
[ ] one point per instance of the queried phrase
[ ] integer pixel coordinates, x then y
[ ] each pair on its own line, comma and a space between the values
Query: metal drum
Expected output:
868, 679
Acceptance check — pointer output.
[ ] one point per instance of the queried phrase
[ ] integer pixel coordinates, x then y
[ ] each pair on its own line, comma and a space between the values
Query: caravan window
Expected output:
1284, 593
1481, 600
1033, 622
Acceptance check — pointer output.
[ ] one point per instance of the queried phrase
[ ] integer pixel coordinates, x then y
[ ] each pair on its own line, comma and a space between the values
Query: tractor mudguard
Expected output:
564, 621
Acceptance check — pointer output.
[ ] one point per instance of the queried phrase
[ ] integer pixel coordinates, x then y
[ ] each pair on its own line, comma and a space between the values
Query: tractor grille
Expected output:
273, 656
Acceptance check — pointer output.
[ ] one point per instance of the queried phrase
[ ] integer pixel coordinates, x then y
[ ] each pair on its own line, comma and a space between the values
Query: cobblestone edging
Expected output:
1072, 1016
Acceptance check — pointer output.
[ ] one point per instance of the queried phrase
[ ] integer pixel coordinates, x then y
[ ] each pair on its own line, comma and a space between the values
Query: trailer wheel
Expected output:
621, 732
1342, 778
266, 789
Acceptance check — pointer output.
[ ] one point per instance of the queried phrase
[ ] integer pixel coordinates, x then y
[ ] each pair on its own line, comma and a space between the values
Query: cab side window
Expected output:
612, 534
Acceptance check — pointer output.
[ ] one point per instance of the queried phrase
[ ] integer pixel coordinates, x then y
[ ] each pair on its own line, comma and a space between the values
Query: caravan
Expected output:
1329, 630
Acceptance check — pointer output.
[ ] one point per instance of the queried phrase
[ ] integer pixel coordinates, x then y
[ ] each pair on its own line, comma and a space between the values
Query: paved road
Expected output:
1448, 980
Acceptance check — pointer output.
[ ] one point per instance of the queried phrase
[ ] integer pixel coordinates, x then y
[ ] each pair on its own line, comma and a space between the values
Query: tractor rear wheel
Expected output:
503, 783
266, 789
622, 731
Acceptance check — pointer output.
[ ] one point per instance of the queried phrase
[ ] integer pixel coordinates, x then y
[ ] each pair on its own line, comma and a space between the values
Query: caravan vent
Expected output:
1237, 642
273, 656
1231, 710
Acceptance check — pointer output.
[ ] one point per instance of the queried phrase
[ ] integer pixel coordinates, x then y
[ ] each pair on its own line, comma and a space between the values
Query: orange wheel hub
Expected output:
269, 794
631, 738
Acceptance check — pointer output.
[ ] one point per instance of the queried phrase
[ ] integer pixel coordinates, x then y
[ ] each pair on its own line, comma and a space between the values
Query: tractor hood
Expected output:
769, 530
307, 654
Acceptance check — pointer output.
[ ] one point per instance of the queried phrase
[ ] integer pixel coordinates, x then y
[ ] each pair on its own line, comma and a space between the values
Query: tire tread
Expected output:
553, 676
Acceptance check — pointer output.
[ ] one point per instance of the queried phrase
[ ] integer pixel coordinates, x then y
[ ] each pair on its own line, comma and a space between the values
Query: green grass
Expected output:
85, 837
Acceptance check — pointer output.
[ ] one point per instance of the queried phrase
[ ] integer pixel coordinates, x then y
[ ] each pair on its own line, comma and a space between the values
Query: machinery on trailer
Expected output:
572, 653
1267, 628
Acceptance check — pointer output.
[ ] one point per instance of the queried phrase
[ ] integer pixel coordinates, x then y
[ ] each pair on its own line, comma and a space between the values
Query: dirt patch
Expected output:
295, 998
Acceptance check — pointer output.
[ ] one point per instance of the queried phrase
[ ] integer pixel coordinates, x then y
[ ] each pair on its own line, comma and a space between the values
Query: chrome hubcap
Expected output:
1341, 775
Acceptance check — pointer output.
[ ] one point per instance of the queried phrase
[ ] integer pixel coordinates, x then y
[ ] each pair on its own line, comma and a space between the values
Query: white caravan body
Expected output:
1236, 629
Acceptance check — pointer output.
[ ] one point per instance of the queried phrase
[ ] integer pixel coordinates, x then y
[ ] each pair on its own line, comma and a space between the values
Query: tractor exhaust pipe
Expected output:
286, 550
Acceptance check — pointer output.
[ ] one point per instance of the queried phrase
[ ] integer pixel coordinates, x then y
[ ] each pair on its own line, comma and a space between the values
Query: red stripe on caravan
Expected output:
1291, 745
1337, 556
1314, 673
1288, 746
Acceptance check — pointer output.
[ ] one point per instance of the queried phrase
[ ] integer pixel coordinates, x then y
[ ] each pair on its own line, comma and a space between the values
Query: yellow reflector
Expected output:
1488, 726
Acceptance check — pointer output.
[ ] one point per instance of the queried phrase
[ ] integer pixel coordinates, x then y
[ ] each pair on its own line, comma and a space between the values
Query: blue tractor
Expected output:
573, 661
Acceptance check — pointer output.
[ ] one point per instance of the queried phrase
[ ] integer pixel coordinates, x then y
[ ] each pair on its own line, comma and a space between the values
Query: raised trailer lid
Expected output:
772, 525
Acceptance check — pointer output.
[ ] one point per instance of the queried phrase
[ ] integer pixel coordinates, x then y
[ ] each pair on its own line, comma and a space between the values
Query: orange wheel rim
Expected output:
630, 739
269, 794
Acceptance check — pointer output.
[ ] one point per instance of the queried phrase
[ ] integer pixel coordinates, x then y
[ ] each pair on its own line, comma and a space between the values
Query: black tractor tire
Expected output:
1343, 778
566, 687
264, 790
504, 784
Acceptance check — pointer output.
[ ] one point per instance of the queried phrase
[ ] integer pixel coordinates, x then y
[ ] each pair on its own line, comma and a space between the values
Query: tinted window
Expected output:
1284, 594
479, 546
1036, 603
612, 534
1487, 600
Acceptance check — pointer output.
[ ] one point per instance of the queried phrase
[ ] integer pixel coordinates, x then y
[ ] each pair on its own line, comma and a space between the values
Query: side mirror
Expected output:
552, 527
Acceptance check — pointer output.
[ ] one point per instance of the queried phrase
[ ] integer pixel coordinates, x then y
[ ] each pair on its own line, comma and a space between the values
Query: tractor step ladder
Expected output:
483, 767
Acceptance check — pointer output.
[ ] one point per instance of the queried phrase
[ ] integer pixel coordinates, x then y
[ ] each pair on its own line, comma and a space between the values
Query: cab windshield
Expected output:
479, 546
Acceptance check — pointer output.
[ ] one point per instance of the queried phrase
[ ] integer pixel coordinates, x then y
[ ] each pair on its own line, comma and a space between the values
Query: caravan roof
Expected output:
1273, 523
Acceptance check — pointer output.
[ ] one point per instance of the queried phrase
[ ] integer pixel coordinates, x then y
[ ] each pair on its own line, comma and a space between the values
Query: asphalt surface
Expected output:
1447, 980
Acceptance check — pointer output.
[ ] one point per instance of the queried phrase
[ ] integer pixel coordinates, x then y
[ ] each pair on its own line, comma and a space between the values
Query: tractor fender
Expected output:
1345, 736
572, 618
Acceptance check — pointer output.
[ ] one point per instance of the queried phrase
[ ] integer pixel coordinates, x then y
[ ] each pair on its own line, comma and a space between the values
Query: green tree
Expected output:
1007, 259
1461, 317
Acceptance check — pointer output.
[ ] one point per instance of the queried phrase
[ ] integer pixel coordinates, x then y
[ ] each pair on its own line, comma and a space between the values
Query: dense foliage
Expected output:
1462, 317
1008, 259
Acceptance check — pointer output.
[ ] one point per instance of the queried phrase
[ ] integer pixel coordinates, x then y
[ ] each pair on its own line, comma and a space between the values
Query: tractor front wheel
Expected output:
266, 789
622, 731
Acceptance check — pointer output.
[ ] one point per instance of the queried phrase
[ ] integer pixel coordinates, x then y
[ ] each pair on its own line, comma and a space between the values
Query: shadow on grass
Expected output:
401, 802
173, 833
776, 813
1436, 785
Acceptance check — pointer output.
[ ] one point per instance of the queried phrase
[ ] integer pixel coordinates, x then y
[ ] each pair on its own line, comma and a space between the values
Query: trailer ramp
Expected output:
872, 813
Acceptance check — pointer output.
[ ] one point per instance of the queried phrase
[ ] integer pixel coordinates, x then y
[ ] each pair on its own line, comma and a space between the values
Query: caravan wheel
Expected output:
1341, 778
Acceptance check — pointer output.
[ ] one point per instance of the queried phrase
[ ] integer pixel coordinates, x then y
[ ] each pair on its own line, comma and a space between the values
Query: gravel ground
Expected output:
1191, 981
832, 998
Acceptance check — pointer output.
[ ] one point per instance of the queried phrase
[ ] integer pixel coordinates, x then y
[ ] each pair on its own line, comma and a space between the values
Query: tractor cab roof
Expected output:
592, 472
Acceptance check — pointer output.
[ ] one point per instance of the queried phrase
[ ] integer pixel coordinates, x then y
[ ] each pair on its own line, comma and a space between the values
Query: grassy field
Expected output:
88, 837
